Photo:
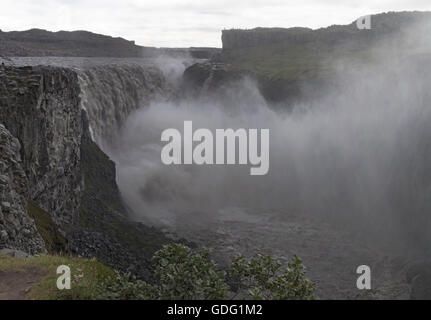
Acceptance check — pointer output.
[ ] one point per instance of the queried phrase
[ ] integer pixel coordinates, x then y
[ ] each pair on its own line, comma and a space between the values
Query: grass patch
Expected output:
297, 62
86, 275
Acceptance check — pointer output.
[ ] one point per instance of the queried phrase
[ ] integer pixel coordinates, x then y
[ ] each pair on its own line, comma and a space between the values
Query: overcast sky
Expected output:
184, 23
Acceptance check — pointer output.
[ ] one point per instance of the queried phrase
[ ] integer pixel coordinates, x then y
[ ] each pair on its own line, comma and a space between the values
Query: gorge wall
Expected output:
296, 64
17, 229
40, 106
382, 25
58, 189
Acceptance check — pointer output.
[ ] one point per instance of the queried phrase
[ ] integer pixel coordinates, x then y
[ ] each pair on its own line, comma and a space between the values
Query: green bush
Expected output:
185, 274
263, 278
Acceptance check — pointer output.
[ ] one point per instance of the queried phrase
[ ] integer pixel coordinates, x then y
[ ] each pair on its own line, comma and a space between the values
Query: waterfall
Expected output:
359, 157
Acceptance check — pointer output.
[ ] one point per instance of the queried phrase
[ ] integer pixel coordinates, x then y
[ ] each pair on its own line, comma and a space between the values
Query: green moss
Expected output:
86, 275
292, 60
54, 240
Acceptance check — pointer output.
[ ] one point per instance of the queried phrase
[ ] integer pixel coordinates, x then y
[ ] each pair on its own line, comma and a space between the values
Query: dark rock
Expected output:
64, 190
418, 275
14, 253
17, 229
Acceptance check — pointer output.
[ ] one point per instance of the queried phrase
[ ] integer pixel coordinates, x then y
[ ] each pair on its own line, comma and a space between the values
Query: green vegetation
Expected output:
289, 65
54, 240
181, 272
185, 274
263, 278
289, 62
87, 275
302, 54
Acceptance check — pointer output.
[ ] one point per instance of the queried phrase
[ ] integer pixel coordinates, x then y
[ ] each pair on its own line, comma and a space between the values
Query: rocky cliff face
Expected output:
57, 187
17, 229
210, 79
40, 106
297, 64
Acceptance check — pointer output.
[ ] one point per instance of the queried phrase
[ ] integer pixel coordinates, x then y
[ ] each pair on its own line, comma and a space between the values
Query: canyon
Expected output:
349, 183
63, 185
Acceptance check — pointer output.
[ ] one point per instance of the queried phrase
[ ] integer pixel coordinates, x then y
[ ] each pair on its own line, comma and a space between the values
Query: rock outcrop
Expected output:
210, 79
299, 65
40, 106
58, 189
17, 229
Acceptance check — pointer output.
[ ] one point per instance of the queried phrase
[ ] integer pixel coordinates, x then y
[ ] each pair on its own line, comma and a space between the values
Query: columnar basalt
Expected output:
57, 186
40, 106
17, 229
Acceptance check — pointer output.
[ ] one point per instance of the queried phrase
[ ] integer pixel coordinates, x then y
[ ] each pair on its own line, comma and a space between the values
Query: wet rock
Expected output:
55, 177
14, 253
43, 113
421, 286
6, 206
3, 235
418, 274
13, 214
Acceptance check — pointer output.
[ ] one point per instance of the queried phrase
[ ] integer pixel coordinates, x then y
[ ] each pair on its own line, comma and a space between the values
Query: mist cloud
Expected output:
359, 157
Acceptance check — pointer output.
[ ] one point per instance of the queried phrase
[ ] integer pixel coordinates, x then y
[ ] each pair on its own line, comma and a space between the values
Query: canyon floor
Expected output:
330, 255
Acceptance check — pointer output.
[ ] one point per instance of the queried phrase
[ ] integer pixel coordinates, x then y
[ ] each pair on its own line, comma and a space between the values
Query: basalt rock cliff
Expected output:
57, 187
291, 65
